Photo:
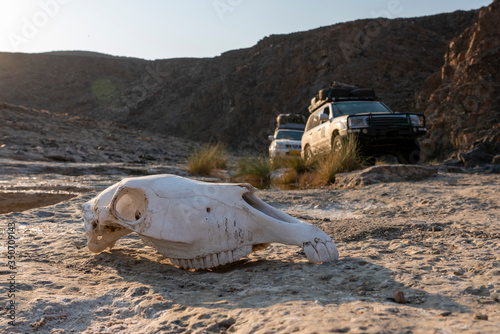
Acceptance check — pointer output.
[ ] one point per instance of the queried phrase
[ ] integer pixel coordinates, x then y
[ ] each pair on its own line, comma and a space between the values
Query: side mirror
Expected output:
271, 137
324, 117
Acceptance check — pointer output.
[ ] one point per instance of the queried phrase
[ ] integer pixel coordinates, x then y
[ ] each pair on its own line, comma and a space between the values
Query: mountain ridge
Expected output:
235, 97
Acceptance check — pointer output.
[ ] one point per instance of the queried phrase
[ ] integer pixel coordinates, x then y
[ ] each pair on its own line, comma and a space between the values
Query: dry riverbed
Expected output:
415, 257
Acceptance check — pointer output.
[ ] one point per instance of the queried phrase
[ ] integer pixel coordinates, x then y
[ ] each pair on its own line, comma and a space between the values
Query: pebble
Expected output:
479, 316
399, 297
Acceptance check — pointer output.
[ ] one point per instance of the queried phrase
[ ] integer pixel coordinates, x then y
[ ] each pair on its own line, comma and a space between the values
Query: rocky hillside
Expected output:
462, 100
28, 134
235, 97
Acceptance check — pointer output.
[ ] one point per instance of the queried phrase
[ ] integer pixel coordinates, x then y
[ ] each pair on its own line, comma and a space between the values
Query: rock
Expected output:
384, 173
279, 175
399, 297
450, 169
461, 101
493, 169
482, 153
453, 162
479, 316
474, 158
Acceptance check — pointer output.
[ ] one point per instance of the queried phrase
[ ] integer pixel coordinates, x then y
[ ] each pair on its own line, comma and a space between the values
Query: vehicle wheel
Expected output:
337, 143
410, 154
307, 153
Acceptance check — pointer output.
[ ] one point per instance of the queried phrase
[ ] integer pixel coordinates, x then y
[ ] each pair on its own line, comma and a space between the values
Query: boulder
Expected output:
279, 175
496, 160
384, 173
483, 152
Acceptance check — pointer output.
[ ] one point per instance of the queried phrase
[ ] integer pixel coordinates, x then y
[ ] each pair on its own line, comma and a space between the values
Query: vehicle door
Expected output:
309, 136
322, 139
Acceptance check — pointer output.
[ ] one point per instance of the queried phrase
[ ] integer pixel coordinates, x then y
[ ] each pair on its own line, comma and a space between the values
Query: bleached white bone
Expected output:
197, 224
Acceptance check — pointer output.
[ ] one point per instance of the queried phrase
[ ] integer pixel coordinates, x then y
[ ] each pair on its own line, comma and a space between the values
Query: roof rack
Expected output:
291, 122
341, 92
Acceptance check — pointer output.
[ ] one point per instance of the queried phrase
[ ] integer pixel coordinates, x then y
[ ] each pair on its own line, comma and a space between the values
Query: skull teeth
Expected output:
213, 260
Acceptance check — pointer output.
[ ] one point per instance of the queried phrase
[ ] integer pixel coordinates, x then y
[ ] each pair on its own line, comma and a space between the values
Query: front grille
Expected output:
293, 146
388, 120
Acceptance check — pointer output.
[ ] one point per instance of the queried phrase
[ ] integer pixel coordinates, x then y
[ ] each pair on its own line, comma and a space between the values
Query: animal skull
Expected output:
195, 224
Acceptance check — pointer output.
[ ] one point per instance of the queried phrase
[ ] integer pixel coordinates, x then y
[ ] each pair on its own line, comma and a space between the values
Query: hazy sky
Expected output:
156, 29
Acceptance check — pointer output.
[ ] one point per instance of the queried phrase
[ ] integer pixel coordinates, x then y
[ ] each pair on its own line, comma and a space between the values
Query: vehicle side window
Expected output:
327, 111
314, 120
310, 123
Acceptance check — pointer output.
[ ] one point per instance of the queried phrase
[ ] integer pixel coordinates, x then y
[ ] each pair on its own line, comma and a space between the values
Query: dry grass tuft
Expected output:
207, 159
346, 159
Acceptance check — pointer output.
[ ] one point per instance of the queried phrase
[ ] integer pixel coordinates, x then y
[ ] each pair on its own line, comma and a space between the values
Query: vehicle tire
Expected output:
337, 143
307, 153
410, 154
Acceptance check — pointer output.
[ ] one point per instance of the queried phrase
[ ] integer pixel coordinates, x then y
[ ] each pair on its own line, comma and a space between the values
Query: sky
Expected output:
160, 29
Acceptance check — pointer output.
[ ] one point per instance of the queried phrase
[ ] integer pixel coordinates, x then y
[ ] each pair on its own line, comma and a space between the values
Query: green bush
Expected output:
255, 168
301, 166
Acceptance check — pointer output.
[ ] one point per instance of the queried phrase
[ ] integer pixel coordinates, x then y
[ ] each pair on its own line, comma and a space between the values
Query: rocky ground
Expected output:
28, 134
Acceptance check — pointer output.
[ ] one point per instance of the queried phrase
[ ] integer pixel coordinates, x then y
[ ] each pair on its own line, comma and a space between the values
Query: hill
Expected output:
235, 97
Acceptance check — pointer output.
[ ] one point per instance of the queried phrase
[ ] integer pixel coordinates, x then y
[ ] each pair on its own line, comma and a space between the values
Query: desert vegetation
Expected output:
317, 171
207, 159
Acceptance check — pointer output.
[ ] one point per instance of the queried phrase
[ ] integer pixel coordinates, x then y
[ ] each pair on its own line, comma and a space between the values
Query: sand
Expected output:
415, 257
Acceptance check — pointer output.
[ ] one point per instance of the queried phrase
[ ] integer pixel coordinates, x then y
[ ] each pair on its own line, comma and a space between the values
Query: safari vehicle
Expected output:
343, 109
287, 137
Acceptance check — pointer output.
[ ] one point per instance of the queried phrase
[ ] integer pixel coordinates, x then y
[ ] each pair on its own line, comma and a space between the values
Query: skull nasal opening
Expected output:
261, 206
130, 204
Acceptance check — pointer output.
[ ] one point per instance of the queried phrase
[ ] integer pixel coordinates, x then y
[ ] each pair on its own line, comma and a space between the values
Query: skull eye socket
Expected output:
130, 204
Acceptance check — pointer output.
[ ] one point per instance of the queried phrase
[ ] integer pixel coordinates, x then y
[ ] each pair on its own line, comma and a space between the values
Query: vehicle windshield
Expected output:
359, 107
289, 134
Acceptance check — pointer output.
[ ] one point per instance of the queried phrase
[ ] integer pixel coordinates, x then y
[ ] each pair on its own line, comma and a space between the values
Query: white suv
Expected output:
288, 135
337, 112
285, 142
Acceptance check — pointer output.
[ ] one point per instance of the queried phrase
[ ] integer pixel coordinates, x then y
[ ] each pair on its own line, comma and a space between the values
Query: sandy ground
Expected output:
436, 242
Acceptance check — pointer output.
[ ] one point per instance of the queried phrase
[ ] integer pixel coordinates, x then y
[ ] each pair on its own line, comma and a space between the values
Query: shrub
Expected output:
208, 158
346, 159
255, 169
218, 152
301, 166
319, 170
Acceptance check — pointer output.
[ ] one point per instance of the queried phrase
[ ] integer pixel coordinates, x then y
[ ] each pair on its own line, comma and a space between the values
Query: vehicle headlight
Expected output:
279, 145
358, 122
415, 120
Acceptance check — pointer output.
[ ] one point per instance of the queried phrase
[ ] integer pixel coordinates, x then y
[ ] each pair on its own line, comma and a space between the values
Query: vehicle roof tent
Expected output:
341, 92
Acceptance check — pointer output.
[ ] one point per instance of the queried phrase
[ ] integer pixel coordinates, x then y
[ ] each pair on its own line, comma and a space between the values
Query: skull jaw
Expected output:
98, 242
